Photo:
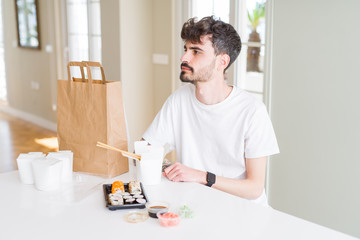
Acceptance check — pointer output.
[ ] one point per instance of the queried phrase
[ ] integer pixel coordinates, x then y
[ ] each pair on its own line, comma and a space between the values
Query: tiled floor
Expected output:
18, 136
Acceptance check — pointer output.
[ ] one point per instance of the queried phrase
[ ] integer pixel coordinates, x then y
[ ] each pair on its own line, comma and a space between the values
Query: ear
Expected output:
223, 61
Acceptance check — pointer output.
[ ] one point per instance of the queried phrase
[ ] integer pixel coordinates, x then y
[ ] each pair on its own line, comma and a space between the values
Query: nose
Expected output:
185, 57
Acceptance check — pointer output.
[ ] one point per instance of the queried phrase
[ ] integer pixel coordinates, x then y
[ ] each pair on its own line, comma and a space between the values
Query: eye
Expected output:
196, 52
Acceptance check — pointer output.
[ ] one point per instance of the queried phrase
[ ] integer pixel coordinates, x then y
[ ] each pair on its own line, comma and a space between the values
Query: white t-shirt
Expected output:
215, 138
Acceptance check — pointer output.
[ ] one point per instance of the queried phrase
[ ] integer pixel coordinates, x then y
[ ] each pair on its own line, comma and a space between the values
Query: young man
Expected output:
222, 134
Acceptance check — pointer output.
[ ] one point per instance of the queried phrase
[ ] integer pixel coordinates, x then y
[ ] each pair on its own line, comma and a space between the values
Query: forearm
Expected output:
251, 187
245, 188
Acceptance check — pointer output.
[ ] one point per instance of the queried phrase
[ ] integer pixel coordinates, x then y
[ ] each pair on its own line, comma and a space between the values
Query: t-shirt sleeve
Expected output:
260, 139
160, 132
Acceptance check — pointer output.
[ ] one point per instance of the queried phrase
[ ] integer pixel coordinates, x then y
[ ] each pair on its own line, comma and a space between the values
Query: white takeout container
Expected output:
24, 161
47, 173
149, 168
67, 167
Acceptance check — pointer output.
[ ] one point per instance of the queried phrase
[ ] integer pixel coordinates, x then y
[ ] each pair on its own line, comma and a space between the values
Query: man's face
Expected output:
198, 62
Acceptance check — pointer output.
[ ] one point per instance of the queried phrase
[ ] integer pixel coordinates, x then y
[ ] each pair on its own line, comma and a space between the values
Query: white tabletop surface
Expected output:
26, 213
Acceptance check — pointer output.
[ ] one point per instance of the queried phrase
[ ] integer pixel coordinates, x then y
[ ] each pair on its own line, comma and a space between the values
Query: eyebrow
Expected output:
194, 48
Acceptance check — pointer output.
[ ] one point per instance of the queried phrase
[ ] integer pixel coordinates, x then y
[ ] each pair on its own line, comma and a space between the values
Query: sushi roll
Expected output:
116, 202
117, 194
125, 194
138, 196
116, 199
117, 186
134, 186
127, 197
136, 193
129, 200
141, 200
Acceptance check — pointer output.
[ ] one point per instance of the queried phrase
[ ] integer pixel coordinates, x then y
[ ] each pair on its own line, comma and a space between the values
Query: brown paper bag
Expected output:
89, 111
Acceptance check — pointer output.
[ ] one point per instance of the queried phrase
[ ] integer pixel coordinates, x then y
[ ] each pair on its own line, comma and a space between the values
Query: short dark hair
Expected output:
223, 36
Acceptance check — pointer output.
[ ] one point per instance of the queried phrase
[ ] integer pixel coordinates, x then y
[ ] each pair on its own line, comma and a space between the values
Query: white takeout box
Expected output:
149, 168
24, 161
67, 158
47, 173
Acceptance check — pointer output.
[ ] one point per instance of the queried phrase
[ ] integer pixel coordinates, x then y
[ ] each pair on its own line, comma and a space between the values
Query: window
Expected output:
83, 32
249, 20
218, 8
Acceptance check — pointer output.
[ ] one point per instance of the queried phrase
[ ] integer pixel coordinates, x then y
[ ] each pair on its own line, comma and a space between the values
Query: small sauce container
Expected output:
168, 219
155, 207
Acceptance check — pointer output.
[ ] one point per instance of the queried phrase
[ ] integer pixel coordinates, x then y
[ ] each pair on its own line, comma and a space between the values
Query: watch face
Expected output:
210, 178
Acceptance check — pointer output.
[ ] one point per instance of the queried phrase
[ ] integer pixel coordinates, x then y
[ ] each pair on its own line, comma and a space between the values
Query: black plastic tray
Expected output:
107, 191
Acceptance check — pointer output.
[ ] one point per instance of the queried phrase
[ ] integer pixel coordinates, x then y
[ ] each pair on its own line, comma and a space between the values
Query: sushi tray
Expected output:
127, 196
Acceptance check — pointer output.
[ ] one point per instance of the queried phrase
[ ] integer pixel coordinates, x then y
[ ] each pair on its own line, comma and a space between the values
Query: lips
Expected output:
186, 67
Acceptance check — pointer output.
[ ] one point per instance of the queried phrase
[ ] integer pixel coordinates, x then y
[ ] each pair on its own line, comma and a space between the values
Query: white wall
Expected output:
136, 46
27, 66
110, 38
315, 112
145, 29
162, 44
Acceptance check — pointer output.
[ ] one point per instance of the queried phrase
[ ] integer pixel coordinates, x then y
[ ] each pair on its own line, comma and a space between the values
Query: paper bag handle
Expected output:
96, 64
82, 65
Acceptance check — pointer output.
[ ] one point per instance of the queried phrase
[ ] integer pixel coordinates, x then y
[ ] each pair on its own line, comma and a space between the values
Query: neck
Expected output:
212, 92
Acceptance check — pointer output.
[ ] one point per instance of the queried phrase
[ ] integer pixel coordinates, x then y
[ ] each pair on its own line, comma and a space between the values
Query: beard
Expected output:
201, 75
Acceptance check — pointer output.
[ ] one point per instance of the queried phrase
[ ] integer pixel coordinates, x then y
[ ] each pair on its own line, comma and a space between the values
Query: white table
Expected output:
26, 213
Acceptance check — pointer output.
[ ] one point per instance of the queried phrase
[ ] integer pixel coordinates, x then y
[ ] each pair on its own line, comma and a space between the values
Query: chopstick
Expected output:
132, 155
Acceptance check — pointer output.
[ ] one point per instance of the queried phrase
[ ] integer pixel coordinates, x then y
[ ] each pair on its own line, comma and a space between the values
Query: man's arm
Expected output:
251, 187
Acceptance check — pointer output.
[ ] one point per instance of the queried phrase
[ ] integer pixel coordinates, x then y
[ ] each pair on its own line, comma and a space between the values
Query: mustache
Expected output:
187, 66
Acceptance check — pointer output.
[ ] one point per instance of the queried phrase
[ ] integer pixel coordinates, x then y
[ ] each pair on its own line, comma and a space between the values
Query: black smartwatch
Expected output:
210, 179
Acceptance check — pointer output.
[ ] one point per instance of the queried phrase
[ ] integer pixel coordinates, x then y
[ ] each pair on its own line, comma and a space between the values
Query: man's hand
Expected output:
180, 173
